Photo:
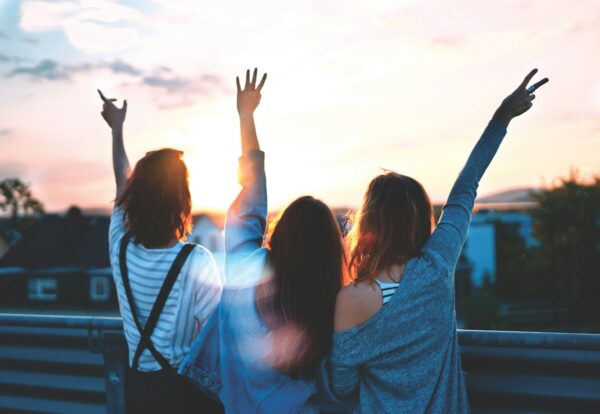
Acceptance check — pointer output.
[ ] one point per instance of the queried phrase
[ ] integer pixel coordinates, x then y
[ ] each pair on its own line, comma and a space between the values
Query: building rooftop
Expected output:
71, 240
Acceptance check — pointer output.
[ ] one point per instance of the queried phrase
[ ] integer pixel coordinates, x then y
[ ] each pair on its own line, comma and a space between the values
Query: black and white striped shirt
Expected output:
195, 294
387, 289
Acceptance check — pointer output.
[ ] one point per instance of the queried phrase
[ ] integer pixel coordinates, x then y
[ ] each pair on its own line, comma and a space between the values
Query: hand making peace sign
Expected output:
520, 101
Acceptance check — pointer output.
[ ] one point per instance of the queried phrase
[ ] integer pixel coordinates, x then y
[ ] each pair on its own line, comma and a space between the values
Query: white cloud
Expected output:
92, 26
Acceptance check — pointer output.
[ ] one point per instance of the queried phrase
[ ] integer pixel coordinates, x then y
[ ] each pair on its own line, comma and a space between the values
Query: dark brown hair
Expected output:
306, 260
156, 200
392, 225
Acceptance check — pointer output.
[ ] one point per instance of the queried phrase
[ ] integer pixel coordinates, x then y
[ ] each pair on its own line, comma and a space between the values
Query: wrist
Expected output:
117, 128
246, 116
501, 119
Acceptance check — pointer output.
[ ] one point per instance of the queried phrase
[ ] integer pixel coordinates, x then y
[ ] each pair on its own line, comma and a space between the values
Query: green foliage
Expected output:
17, 200
512, 268
567, 224
555, 285
481, 310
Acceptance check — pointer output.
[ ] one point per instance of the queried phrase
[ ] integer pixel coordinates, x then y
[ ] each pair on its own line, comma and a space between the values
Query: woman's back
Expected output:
232, 355
402, 356
406, 347
405, 357
194, 295
261, 352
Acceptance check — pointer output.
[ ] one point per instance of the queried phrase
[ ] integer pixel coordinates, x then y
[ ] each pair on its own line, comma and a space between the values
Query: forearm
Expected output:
248, 133
450, 234
121, 165
344, 380
481, 156
247, 216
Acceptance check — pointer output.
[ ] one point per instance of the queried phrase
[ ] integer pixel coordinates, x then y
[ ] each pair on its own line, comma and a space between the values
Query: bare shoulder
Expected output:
356, 304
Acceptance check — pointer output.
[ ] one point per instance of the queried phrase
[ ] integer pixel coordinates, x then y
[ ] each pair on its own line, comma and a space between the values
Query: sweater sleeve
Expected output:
447, 241
344, 379
246, 220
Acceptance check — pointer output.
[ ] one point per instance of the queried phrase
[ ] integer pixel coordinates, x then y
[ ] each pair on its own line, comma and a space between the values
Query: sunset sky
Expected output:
353, 87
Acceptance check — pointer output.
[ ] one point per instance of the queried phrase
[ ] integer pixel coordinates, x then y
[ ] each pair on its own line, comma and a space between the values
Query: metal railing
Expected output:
64, 364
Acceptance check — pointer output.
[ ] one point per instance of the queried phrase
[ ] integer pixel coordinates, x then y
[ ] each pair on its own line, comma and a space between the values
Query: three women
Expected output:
265, 347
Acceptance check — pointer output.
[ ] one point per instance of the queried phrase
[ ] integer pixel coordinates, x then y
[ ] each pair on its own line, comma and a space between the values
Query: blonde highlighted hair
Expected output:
391, 226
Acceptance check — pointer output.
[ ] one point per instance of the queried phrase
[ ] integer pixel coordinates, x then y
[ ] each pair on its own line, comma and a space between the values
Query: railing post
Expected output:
114, 351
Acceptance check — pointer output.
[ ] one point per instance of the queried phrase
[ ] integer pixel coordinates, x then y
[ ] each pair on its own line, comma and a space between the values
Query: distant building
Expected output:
62, 261
207, 233
480, 247
480, 251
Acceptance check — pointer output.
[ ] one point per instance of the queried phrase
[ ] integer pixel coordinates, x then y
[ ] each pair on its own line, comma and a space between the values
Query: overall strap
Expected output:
159, 304
146, 331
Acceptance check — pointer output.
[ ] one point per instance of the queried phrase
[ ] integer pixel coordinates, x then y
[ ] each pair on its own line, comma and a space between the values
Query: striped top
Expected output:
387, 289
195, 294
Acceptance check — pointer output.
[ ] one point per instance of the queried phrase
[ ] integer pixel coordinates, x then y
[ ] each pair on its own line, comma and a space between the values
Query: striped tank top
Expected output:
387, 289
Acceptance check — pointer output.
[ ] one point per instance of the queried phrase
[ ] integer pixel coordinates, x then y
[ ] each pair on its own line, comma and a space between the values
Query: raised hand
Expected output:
113, 116
518, 102
249, 97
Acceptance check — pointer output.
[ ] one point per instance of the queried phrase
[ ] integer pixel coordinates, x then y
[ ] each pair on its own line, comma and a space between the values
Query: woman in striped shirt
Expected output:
166, 288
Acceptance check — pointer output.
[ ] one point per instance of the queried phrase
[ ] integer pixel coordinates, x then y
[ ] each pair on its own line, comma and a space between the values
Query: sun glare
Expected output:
212, 147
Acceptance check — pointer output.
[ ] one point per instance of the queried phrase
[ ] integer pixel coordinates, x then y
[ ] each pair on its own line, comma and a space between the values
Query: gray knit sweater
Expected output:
405, 359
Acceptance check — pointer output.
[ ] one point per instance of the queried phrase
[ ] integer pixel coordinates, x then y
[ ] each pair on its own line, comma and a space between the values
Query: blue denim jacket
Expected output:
228, 357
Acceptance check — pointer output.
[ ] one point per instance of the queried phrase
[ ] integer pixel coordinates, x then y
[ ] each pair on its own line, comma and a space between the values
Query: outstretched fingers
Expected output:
262, 82
254, 78
536, 85
105, 99
251, 81
102, 96
528, 79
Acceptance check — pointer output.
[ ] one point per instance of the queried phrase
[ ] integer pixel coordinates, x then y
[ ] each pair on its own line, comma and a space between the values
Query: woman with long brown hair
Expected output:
395, 348
166, 288
262, 350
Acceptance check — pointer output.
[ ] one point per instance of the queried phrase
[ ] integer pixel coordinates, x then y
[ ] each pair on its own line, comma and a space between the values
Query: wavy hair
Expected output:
156, 200
391, 226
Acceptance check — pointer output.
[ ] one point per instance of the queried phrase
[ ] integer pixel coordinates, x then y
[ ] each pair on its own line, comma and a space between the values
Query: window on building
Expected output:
99, 288
44, 289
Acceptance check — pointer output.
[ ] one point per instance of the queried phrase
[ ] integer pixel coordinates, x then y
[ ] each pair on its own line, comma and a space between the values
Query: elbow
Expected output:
343, 392
343, 384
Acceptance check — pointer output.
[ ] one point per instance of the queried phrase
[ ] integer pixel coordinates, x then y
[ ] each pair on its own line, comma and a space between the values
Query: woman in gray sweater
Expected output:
395, 349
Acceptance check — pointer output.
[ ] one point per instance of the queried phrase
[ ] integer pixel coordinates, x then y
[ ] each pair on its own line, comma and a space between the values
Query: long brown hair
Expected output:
392, 225
306, 260
156, 200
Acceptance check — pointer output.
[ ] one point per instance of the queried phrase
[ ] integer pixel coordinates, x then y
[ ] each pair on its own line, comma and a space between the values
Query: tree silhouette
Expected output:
567, 224
17, 200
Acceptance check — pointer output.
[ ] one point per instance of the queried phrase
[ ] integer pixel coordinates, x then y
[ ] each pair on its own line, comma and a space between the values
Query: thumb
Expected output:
124, 109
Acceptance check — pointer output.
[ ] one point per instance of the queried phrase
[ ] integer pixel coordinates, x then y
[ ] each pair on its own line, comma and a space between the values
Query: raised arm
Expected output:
115, 117
448, 239
247, 217
247, 102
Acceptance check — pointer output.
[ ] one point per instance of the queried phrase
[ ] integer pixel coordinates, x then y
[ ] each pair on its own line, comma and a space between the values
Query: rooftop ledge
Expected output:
66, 364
